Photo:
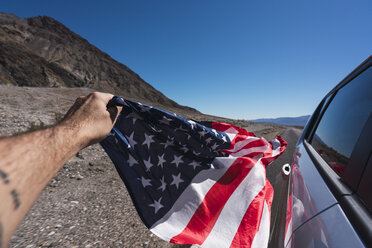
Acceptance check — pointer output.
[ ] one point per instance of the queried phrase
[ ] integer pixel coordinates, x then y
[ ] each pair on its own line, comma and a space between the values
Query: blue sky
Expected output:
237, 59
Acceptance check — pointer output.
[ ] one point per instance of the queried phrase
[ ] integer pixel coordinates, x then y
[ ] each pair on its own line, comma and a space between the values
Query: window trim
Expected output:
323, 109
364, 188
359, 217
332, 179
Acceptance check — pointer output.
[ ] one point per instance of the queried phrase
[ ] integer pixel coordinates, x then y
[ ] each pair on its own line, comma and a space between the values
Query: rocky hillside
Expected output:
41, 51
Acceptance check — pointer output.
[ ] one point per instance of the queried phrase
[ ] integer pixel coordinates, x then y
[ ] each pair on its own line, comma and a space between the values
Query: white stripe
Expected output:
183, 209
233, 212
231, 136
244, 152
231, 131
261, 239
239, 145
276, 147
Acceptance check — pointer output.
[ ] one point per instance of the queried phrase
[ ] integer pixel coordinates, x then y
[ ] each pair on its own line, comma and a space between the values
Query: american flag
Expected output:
191, 182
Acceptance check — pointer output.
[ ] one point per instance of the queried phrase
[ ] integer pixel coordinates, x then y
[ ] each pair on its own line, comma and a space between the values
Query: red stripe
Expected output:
242, 134
253, 154
224, 126
252, 144
232, 144
238, 138
252, 218
204, 218
268, 154
256, 143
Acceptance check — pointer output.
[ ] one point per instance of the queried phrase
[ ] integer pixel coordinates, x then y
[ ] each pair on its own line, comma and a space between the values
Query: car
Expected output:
329, 193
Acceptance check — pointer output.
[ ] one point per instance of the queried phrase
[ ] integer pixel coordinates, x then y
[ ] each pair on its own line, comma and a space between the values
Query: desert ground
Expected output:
86, 203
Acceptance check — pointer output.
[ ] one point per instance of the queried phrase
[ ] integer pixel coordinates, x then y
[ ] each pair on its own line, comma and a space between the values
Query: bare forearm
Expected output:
27, 163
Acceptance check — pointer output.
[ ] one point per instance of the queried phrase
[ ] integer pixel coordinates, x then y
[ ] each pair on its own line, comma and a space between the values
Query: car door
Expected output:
330, 193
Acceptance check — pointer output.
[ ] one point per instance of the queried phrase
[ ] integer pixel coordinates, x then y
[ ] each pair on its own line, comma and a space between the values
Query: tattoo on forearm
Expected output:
16, 201
14, 194
4, 176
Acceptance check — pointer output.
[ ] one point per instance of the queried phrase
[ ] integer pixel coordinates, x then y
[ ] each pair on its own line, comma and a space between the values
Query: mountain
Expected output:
42, 52
289, 121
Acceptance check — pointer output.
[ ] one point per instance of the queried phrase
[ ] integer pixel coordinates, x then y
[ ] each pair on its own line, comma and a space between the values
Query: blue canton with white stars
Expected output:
158, 153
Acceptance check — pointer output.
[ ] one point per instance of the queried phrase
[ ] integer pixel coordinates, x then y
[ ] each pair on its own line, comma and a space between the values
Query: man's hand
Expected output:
28, 161
91, 116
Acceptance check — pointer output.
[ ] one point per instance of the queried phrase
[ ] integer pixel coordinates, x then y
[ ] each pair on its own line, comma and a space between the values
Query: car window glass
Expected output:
343, 121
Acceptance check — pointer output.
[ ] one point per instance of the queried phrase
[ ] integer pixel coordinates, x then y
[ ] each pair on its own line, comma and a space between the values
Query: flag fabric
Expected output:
194, 182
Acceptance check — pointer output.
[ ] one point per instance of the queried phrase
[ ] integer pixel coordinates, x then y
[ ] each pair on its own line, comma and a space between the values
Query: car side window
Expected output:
343, 120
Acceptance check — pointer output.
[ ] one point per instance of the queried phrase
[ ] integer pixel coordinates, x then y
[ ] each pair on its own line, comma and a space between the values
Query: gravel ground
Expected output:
86, 203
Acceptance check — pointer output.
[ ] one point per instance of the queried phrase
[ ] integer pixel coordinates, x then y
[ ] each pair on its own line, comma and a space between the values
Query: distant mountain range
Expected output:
289, 121
42, 52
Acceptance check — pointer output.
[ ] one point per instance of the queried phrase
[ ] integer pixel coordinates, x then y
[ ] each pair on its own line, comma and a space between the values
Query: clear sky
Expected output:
238, 59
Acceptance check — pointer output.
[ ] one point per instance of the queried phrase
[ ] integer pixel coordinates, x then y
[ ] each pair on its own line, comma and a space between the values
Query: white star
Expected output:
148, 164
111, 134
163, 184
202, 133
214, 131
161, 160
180, 129
157, 205
224, 139
165, 120
194, 164
167, 143
188, 136
192, 123
214, 146
177, 180
177, 160
208, 141
184, 149
132, 161
148, 140
134, 117
145, 182
131, 140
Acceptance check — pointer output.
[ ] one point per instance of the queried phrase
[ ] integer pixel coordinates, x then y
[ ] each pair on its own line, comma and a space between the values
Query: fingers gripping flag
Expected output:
194, 183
